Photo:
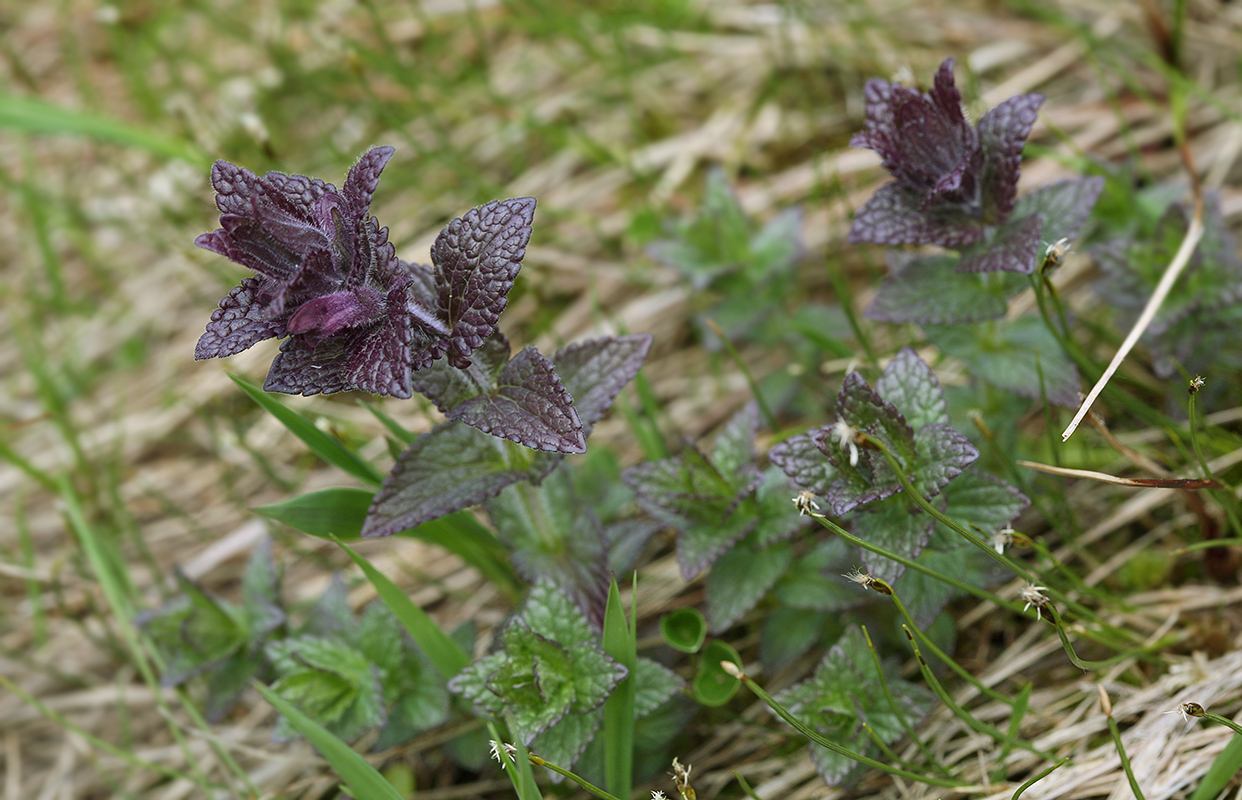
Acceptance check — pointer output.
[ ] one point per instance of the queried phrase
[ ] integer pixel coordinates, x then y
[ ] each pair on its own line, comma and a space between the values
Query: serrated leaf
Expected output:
778, 517
329, 681
805, 464
528, 406
734, 449
740, 578
942, 455
1002, 135
1012, 248
909, 384
564, 742
362, 779
1007, 357
450, 468
976, 498
595, 371
925, 597
1063, 207
788, 633
896, 525
554, 537
654, 684
897, 215
476, 258
844, 691
930, 290
447, 386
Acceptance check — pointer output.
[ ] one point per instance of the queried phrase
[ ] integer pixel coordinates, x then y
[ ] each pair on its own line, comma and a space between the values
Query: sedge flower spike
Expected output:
952, 180
327, 278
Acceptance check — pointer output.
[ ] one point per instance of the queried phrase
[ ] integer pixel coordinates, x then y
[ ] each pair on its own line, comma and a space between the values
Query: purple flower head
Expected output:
952, 180
355, 315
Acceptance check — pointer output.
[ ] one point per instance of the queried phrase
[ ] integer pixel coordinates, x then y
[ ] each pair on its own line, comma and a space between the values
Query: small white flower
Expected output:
863, 579
805, 501
1002, 539
1188, 710
845, 434
1033, 595
1056, 253
509, 749
658, 796
1196, 384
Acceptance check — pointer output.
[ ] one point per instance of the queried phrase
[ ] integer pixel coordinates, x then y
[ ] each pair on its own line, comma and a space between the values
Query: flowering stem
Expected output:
1121, 749
1082, 664
983, 594
1013, 566
1038, 778
975, 724
817, 738
897, 712
595, 790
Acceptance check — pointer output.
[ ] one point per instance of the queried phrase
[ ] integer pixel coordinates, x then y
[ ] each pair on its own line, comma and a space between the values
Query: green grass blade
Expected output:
446, 655
323, 513
363, 780
516, 766
1221, 772
620, 642
323, 445
33, 115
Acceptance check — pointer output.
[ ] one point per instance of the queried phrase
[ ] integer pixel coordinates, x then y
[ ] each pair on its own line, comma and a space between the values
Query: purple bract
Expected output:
355, 315
952, 180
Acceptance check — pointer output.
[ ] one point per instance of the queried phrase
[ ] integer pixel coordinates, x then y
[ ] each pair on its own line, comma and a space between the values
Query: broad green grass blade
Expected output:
1221, 772
620, 642
446, 655
363, 780
323, 513
323, 445
32, 115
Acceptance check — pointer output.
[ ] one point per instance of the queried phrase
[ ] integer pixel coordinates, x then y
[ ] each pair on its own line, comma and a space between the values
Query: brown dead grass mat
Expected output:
186, 481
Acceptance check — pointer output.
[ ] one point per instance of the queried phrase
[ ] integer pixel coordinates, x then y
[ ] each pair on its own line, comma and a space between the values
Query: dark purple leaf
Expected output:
1063, 207
1002, 135
529, 406
450, 468
897, 525
476, 259
1013, 248
447, 386
595, 371
805, 464
895, 214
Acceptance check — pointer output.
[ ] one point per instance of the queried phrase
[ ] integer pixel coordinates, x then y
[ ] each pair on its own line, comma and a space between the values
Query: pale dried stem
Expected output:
1194, 232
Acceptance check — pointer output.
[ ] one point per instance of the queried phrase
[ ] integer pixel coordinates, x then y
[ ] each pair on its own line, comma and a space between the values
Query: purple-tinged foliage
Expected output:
906, 411
455, 466
355, 315
952, 181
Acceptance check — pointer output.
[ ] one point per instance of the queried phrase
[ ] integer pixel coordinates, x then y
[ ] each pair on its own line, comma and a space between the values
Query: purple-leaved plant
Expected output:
355, 315
955, 185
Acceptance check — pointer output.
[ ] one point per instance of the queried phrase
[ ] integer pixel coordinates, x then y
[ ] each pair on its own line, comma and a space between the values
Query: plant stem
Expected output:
817, 738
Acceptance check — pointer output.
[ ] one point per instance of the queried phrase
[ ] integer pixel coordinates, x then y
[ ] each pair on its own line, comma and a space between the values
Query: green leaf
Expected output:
324, 513
814, 583
654, 685
1006, 355
845, 691
713, 686
930, 291
897, 525
910, 385
320, 443
563, 742
977, 499
556, 537
684, 629
740, 578
445, 654
788, 633
363, 780
329, 681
